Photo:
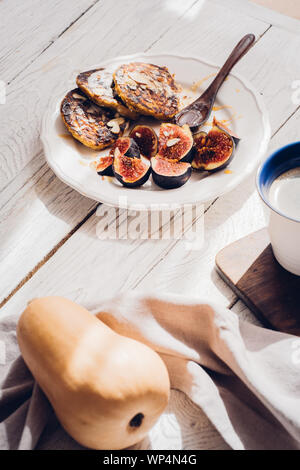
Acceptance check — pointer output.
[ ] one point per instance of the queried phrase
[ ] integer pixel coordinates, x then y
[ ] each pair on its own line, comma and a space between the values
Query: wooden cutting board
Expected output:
271, 292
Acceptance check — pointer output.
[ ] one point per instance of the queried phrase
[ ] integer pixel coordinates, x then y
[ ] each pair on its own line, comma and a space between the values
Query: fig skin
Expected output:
180, 151
170, 181
133, 151
213, 151
146, 139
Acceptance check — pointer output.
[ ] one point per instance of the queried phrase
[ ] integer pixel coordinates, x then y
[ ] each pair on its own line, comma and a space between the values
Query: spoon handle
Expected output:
240, 49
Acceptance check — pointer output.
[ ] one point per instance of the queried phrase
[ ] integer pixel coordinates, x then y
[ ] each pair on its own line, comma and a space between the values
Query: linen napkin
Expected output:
244, 378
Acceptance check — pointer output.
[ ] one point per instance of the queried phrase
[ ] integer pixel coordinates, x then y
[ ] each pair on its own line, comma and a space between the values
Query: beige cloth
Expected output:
245, 378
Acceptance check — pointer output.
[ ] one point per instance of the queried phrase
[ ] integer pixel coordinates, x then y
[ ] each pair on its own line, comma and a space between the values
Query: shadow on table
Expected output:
223, 209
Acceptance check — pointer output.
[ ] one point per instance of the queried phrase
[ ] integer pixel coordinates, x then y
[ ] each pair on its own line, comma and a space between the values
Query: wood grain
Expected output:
45, 222
264, 14
239, 261
28, 28
36, 208
40, 216
85, 267
228, 219
54, 71
271, 73
272, 293
28, 260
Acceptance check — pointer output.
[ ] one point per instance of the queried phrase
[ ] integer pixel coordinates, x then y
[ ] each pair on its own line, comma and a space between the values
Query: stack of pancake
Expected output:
100, 110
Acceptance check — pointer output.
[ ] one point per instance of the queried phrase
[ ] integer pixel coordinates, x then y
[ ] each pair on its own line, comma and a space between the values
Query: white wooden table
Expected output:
48, 231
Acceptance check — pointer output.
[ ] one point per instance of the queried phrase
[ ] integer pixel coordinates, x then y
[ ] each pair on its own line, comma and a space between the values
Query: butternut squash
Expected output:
107, 390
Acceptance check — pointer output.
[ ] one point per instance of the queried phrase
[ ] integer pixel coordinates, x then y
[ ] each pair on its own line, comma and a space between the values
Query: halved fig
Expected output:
103, 166
213, 151
170, 174
131, 171
175, 142
146, 139
222, 126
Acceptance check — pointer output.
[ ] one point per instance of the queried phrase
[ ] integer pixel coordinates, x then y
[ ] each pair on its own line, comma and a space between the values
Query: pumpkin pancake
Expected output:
147, 89
98, 84
93, 126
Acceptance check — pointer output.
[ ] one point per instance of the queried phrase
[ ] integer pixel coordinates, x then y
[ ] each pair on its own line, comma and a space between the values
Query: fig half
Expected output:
175, 142
146, 139
130, 170
213, 151
222, 126
170, 174
103, 166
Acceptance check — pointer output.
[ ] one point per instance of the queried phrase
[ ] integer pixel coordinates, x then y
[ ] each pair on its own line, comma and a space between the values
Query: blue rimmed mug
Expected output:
284, 230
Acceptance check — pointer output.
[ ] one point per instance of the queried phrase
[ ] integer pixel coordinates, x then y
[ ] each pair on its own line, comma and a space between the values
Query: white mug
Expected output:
284, 231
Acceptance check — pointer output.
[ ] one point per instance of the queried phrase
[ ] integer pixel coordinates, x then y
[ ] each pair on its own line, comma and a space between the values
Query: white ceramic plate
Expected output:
238, 104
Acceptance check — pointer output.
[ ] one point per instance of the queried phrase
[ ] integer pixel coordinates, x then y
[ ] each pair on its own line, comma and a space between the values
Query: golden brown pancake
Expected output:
147, 89
93, 126
97, 84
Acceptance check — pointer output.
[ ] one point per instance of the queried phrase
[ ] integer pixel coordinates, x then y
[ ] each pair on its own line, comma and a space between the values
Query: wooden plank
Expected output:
248, 266
288, 8
239, 261
193, 271
37, 210
25, 237
28, 28
44, 245
25, 255
55, 70
110, 267
262, 13
86, 268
